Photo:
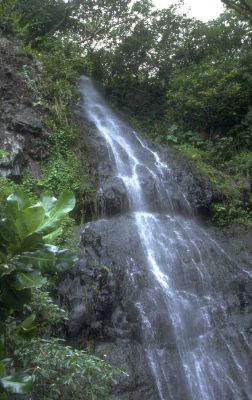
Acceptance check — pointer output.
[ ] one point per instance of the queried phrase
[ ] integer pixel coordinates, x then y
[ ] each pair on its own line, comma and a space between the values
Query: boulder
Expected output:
28, 121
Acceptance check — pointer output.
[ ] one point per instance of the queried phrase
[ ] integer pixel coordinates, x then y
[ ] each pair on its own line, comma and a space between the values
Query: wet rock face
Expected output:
112, 197
93, 289
110, 279
20, 125
99, 295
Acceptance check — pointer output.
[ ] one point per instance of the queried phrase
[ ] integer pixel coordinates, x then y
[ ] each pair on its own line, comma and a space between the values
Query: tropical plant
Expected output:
27, 259
26, 253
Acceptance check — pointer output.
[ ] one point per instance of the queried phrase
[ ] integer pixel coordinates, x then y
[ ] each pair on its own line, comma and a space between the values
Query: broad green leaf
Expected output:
47, 202
34, 217
50, 238
32, 242
17, 198
49, 259
40, 260
62, 206
27, 328
7, 231
20, 226
18, 383
3, 396
16, 202
28, 322
24, 280
28, 220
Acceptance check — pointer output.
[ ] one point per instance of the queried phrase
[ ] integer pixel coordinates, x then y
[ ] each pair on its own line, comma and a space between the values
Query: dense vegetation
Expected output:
32, 360
185, 83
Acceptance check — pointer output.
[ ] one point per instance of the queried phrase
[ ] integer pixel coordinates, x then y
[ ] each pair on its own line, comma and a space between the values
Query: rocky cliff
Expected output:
20, 122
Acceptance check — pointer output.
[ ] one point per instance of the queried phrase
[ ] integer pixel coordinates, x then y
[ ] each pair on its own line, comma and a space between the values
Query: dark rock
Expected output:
135, 383
98, 295
13, 160
102, 303
199, 192
20, 125
38, 151
27, 121
112, 197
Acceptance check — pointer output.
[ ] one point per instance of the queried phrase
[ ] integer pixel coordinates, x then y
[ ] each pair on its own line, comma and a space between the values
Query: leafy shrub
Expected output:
62, 372
47, 312
225, 214
34, 87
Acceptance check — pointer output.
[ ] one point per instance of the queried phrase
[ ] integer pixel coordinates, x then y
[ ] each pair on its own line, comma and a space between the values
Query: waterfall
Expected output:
194, 348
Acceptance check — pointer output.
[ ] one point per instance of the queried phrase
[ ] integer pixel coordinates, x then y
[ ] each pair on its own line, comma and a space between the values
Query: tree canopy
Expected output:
243, 7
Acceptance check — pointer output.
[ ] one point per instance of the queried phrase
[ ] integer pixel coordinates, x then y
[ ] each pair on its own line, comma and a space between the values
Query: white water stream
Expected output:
194, 349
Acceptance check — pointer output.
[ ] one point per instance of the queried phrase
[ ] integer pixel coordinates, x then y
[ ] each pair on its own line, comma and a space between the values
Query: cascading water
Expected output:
193, 350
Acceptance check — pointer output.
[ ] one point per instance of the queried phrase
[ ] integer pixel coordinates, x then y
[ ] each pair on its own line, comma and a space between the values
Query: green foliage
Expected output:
241, 164
7, 187
29, 186
62, 372
62, 173
200, 159
225, 214
18, 382
9, 19
34, 87
32, 19
53, 90
243, 7
62, 169
25, 254
48, 369
61, 75
26, 259
85, 21
208, 97
175, 135
47, 312
231, 178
